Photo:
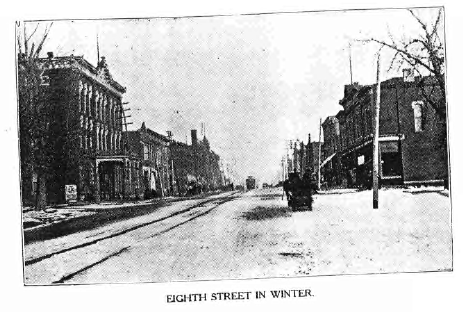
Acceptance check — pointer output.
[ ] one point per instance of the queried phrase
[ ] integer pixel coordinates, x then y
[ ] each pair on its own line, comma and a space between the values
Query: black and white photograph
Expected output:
256, 156
230, 147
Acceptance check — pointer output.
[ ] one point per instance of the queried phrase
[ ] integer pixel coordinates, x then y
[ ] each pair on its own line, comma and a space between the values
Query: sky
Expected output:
255, 81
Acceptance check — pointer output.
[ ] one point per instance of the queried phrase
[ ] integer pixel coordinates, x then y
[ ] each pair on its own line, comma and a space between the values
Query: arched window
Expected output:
90, 130
97, 103
81, 95
89, 100
108, 140
418, 115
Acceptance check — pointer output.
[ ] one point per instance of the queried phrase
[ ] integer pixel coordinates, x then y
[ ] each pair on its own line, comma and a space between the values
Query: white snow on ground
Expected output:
34, 219
257, 236
57, 266
408, 233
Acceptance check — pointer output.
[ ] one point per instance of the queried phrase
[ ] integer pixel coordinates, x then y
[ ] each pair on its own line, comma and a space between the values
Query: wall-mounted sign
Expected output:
361, 160
389, 147
71, 193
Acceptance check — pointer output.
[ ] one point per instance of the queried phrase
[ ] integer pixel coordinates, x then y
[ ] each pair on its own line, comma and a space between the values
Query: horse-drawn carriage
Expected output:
299, 191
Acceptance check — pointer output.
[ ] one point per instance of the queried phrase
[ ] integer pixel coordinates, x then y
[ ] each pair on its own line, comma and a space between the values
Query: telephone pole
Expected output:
350, 62
319, 152
376, 136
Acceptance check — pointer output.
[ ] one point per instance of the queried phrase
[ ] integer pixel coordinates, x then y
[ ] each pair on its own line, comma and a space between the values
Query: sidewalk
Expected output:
428, 189
337, 191
53, 214
410, 189
68, 219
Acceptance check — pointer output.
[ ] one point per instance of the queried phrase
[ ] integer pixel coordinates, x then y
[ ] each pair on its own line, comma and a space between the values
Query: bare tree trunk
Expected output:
446, 154
41, 193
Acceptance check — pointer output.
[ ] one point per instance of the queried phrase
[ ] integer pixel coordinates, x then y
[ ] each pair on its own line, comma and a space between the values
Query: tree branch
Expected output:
25, 41
405, 53
436, 24
37, 26
423, 25
40, 46
18, 38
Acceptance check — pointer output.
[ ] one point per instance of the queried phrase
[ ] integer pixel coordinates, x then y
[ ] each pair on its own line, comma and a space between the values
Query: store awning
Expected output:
327, 160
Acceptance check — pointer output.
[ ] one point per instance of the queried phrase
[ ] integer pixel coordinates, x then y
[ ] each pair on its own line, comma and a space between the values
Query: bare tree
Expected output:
424, 54
32, 109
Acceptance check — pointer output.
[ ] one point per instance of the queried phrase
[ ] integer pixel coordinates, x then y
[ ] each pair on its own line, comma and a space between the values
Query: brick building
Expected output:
153, 150
330, 166
84, 116
313, 149
184, 165
412, 136
196, 163
305, 158
207, 163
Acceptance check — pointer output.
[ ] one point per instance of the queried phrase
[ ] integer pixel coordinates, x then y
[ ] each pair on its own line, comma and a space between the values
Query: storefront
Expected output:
391, 169
357, 168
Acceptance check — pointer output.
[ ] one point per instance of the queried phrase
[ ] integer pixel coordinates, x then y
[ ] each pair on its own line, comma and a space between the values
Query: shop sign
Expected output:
71, 193
361, 160
389, 147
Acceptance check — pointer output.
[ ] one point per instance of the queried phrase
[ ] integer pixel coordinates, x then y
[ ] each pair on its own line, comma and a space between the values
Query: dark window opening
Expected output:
391, 164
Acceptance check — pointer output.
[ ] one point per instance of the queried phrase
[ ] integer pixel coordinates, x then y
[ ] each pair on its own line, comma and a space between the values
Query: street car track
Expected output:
136, 227
216, 204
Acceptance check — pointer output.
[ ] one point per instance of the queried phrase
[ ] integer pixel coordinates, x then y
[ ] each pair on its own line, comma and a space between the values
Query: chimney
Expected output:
194, 137
50, 55
348, 89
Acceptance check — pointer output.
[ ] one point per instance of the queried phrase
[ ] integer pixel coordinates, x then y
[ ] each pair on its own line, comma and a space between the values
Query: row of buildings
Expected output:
85, 143
412, 137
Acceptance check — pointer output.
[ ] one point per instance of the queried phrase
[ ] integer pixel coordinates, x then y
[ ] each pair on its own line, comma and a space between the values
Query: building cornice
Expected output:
79, 64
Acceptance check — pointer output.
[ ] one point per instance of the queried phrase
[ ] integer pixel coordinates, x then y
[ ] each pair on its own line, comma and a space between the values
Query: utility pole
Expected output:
350, 63
310, 158
283, 176
319, 152
376, 136
295, 157
283, 169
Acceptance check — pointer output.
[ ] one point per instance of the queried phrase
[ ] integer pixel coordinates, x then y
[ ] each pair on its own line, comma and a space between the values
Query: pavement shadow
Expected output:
427, 191
262, 213
270, 196
88, 222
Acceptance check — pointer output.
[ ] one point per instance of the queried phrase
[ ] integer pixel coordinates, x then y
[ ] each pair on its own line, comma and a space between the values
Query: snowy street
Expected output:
254, 235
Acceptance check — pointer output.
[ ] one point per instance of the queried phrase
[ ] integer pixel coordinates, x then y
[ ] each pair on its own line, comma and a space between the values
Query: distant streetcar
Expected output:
250, 183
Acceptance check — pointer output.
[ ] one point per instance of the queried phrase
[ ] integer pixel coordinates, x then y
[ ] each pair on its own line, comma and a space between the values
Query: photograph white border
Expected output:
379, 292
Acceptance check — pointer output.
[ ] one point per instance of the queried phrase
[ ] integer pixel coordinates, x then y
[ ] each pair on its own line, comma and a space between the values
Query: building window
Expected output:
97, 137
103, 139
80, 91
34, 183
97, 103
418, 115
108, 140
90, 128
108, 111
145, 152
100, 105
83, 98
89, 100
